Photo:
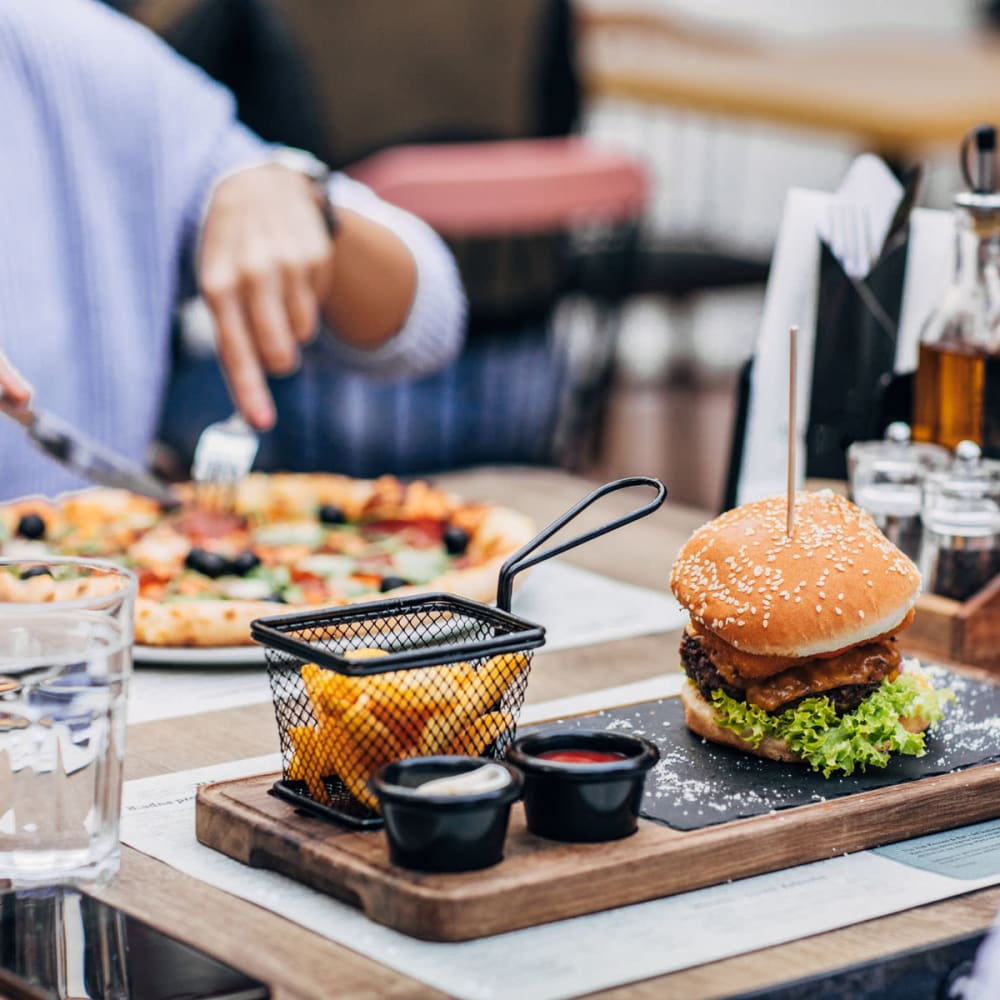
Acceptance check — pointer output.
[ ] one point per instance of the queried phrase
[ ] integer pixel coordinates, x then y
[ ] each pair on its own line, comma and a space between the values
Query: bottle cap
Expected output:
967, 453
898, 432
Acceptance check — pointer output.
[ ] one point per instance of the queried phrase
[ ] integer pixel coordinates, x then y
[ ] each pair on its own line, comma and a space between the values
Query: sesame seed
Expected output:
861, 614
839, 612
819, 608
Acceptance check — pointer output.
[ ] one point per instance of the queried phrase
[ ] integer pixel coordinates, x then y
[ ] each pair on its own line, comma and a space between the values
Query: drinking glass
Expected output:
65, 658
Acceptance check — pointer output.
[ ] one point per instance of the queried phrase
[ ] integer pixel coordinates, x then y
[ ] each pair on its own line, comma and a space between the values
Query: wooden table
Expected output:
899, 93
298, 963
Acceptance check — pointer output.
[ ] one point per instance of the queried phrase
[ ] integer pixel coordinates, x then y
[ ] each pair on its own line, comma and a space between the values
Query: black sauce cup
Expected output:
583, 802
443, 833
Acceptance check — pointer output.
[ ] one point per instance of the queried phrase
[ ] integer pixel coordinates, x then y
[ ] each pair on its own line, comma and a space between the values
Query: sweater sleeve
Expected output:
434, 331
135, 93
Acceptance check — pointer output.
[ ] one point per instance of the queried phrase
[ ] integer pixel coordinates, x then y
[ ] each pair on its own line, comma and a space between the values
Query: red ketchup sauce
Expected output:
581, 756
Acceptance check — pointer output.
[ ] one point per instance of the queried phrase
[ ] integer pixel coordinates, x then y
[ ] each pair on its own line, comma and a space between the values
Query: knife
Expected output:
84, 456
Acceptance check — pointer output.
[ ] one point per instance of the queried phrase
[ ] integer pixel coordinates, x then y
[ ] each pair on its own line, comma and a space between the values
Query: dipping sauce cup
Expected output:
582, 785
439, 831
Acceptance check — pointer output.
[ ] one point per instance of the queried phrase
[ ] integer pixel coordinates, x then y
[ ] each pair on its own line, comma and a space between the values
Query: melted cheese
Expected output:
868, 664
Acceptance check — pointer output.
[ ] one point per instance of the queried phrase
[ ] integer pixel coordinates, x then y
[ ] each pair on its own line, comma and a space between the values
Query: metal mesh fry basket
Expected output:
355, 688
360, 686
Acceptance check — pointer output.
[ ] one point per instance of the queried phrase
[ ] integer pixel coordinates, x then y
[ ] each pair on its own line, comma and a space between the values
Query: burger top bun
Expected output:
836, 582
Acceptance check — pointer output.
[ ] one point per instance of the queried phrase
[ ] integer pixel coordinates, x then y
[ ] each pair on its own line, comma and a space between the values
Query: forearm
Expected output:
371, 281
404, 283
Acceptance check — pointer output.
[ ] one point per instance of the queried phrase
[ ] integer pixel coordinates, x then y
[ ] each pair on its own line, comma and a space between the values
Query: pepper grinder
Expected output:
960, 545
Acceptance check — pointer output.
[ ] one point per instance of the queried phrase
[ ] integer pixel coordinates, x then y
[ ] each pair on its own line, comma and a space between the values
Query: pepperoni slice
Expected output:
199, 524
420, 532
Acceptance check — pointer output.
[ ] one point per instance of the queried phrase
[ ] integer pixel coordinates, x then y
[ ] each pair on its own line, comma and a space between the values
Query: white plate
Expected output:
223, 656
199, 656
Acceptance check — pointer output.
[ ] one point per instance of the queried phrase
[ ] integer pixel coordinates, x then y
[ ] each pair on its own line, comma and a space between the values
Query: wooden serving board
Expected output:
539, 881
962, 632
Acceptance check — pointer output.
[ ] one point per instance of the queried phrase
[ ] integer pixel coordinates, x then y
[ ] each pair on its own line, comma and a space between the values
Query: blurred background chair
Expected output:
462, 113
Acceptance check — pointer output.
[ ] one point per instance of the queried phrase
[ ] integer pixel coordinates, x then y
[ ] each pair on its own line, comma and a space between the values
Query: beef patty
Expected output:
707, 679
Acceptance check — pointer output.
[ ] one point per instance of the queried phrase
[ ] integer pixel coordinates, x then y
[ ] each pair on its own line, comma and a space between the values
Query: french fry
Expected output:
480, 692
404, 699
406, 719
366, 745
432, 687
484, 688
442, 728
327, 691
365, 653
347, 761
478, 735
308, 763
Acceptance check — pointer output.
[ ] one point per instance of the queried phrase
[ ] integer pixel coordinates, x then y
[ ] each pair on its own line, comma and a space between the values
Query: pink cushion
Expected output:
521, 186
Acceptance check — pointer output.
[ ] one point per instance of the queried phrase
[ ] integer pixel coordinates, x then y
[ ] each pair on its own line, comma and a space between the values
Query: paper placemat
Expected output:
577, 608
601, 950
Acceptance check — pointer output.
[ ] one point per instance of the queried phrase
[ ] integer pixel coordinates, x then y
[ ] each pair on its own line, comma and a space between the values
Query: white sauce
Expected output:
487, 778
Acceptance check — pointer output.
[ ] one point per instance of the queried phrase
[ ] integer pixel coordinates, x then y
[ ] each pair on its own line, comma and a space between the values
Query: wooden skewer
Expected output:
790, 524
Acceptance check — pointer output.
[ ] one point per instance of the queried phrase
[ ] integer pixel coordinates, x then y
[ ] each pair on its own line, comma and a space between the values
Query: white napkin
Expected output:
860, 214
791, 299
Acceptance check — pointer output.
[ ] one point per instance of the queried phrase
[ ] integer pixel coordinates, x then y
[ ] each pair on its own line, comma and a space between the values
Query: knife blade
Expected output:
86, 457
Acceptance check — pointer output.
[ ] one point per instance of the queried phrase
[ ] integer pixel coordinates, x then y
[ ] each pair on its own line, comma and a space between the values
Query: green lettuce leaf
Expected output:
853, 741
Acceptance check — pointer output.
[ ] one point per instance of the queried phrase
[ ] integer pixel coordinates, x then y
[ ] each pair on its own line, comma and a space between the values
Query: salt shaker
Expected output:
960, 547
886, 479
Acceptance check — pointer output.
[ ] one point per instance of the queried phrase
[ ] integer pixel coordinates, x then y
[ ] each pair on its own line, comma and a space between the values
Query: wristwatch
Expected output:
318, 172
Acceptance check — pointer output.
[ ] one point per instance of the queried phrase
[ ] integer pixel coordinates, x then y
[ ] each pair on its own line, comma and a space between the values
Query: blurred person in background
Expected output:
126, 183
343, 79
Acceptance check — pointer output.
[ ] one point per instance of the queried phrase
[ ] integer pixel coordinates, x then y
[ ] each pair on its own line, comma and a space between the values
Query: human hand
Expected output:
263, 266
15, 393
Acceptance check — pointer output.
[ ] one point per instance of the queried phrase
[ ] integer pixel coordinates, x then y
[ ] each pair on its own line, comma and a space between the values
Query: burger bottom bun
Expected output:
700, 718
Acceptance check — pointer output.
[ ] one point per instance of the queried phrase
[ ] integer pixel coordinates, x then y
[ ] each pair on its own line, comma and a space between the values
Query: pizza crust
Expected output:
199, 623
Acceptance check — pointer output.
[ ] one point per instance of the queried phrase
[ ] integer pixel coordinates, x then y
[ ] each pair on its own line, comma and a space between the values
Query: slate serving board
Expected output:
698, 784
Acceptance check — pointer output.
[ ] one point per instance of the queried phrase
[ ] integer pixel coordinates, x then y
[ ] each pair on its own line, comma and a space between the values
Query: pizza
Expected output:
289, 542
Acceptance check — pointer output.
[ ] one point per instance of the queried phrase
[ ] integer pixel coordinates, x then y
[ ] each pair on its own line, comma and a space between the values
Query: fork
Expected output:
224, 454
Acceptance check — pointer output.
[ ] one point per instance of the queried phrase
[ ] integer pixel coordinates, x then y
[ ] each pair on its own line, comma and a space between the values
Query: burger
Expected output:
791, 649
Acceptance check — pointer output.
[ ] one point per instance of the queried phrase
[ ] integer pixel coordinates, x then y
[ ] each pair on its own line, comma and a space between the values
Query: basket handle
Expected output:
518, 560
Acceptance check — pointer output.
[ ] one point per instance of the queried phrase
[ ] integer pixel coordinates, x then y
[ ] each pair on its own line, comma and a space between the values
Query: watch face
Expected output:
302, 162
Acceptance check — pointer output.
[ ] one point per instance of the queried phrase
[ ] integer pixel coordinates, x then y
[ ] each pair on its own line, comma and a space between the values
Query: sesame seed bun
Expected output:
699, 716
835, 583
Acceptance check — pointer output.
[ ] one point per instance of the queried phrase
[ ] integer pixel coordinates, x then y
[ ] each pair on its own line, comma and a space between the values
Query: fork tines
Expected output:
224, 455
